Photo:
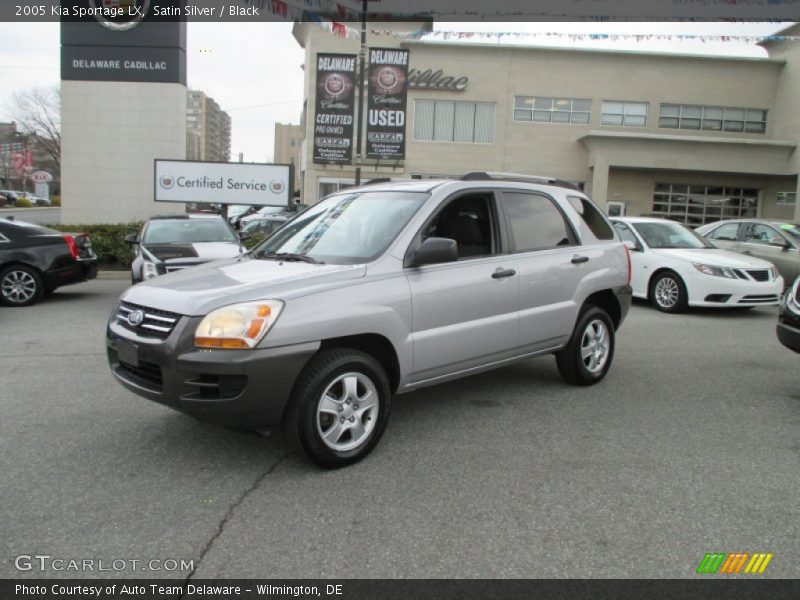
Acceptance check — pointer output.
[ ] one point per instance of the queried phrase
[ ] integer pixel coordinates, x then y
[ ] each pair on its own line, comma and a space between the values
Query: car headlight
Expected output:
149, 270
237, 326
715, 271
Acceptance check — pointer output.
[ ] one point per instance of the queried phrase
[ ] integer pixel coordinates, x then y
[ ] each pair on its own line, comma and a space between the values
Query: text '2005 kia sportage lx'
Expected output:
375, 291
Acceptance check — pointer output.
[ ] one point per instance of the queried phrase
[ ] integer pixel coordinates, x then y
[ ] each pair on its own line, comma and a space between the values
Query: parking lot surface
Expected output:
690, 445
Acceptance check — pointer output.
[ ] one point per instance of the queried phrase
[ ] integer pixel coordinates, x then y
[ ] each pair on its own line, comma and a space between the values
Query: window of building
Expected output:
450, 121
629, 114
698, 204
552, 110
712, 118
536, 223
785, 197
329, 186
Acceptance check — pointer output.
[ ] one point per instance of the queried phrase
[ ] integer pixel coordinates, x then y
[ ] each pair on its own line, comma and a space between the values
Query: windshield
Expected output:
262, 226
345, 228
187, 231
791, 229
670, 235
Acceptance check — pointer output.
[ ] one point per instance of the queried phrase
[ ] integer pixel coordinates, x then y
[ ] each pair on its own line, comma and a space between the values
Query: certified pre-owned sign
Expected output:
222, 183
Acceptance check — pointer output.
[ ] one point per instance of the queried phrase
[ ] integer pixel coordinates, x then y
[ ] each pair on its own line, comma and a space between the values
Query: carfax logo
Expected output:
167, 182
733, 562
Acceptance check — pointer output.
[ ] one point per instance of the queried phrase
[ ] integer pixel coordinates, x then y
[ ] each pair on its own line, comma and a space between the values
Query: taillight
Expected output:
73, 247
628, 256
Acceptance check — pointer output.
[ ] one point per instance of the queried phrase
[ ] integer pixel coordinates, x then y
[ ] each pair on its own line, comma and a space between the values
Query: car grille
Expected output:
763, 298
146, 374
759, 274
155, 323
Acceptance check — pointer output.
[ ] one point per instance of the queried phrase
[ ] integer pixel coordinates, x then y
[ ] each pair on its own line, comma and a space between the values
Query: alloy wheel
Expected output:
18, 287
595, 346
347, 411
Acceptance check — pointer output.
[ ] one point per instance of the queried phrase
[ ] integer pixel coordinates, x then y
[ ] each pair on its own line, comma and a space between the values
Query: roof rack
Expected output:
175, 216
518, 177
378, 180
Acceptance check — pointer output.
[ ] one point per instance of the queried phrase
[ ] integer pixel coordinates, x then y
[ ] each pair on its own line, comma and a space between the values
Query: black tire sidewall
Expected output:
308, 396
36, 277
680, 304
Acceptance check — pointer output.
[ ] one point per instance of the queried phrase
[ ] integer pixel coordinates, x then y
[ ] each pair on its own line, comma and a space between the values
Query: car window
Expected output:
345, 228
594, 219
790, 229
470, 221
762, 234
536, 223
670, 235
187, 231
625, 233
728, 232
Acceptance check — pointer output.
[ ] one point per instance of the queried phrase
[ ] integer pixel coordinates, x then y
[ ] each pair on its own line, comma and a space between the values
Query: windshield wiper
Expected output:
291, 256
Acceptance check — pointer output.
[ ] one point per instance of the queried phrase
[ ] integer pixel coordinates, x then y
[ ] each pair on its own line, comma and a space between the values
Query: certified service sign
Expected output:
222, 183
120, 15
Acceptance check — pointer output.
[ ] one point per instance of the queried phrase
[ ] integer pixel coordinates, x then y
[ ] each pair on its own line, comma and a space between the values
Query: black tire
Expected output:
305, 421
570, 361
668, 292
11, 278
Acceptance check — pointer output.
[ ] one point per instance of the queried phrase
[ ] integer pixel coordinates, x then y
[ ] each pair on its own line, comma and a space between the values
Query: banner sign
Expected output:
222, 183
333, 119
386, 105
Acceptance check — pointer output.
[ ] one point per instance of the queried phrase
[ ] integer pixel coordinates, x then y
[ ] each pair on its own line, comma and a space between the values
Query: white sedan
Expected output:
674, 268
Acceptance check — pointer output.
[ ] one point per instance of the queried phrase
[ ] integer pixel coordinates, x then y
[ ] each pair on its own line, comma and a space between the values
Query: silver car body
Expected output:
443, 320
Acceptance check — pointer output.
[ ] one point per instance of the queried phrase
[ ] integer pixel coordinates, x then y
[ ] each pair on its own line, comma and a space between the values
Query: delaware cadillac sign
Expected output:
333, 120
386, 105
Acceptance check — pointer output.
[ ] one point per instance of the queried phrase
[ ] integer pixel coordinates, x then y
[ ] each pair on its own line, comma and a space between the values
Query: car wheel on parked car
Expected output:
20, 286
339, 407
586, 358
668, 292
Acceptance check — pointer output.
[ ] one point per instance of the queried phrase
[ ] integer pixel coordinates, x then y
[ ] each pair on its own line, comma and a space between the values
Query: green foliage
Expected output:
55, 200
254, 240
23, 203
107, 241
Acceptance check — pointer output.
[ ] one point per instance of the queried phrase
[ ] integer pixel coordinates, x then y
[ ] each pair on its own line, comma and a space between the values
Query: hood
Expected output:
713, 257
197, 291
193, 253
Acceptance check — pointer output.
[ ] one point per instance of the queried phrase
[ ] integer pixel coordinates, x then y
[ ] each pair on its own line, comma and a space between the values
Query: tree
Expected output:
37, 112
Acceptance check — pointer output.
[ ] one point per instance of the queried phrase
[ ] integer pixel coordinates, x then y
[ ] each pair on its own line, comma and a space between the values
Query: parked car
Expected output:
773, 240
35, 260
10, 197
263, 212
170, 243
375, 291
673, 267
788, 329
237, 211
267, 225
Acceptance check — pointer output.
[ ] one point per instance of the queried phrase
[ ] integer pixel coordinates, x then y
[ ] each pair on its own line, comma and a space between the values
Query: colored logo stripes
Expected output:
734, 563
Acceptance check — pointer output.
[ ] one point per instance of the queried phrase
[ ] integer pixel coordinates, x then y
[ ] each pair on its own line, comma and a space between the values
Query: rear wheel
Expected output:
668, 292
20, 286
339, 407
586, 358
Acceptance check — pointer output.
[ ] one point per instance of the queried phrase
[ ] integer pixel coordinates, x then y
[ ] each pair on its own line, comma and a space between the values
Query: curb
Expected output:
114, 275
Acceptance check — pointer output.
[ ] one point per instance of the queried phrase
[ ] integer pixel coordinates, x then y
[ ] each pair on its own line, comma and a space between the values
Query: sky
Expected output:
254, 70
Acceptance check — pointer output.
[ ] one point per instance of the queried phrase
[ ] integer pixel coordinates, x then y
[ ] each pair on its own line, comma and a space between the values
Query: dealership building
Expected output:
689, 137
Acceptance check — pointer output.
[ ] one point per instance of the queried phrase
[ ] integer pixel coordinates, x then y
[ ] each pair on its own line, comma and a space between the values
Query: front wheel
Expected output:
586, 358
339, 407
20, 286
668, 292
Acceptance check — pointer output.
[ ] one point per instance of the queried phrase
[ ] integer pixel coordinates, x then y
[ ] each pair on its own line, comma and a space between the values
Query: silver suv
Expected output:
375, 291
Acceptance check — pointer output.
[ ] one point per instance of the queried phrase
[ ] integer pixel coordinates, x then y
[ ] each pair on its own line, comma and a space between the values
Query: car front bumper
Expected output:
235, 388
710, 291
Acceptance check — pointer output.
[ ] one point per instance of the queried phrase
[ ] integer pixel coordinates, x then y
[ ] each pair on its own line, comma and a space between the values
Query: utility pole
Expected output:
361, 77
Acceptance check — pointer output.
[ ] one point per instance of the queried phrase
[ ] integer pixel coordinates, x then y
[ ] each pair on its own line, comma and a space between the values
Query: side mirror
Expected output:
435, 250
632, 246
131, 238
780, 243
244, 235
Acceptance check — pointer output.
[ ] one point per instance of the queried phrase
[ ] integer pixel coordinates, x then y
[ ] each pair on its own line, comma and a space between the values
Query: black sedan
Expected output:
35, 260
788, 329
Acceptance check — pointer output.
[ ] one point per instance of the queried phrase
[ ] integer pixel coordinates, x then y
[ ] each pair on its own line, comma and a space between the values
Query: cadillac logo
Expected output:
167, 182
336, 85
127, 14
135, 317
388, 80
277, 186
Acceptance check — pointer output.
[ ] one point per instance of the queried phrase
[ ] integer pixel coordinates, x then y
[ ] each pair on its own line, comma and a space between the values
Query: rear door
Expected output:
465, 312
726, 236
551, 265
765, 241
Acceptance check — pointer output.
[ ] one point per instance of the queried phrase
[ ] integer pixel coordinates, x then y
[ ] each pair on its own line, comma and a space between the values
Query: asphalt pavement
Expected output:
690, 445
41, 215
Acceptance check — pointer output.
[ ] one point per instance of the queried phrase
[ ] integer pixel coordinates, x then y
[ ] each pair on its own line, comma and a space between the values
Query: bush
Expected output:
254, 240
108, 242
23, 203
55, 200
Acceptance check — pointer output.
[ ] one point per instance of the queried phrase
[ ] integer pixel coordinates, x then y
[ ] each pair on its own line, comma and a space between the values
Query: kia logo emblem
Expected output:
135, 317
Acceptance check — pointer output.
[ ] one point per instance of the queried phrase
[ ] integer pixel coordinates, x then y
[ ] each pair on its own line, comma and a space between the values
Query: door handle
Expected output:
576, 260
501, 273
747, 252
